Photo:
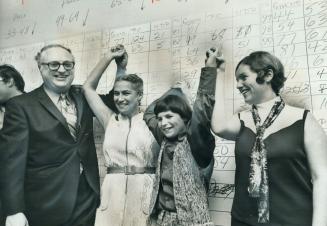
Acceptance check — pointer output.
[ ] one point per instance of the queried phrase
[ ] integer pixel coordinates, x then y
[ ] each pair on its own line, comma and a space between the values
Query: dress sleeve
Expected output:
108, 99
201, 140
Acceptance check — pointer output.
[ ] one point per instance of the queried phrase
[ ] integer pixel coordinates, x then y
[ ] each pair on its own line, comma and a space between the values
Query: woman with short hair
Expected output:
281, 168
130, 150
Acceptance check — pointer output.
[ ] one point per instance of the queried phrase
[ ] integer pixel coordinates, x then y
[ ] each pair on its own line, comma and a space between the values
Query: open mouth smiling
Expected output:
61, 76
166, 129
243, 91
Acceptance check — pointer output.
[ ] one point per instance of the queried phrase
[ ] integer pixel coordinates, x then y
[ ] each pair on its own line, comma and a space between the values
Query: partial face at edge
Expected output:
4, 91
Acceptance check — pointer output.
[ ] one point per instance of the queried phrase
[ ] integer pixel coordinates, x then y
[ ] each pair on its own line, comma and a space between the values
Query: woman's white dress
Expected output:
125, 198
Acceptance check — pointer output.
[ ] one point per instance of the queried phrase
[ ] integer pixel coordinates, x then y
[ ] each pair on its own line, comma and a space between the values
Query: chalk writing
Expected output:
220, 189
21, 30
18, 17
72, 18
68, 2
301, 88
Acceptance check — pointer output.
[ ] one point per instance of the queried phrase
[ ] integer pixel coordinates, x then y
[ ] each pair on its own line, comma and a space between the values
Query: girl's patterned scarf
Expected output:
258, 177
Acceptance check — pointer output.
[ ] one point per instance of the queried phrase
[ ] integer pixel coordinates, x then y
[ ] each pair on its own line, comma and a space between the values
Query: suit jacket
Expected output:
40, 160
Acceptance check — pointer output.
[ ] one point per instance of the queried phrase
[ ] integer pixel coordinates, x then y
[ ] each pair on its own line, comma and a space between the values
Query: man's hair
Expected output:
8, 72
38, 55
175, 104
135, 80
261, 62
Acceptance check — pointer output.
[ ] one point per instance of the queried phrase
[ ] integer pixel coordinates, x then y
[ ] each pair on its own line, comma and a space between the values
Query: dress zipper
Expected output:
126, 154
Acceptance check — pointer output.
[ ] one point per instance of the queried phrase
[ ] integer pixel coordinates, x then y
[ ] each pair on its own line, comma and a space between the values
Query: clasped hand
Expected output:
120, 55
215, 58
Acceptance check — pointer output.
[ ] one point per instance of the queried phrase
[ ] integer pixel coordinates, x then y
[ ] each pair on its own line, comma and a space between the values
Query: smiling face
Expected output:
59, 81
126, 98
171, 124
252, 92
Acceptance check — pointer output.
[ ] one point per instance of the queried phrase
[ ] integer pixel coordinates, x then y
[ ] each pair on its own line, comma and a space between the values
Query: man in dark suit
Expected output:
49, 174
11, 84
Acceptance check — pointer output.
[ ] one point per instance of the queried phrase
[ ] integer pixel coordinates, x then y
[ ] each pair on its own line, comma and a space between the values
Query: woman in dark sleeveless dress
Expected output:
280, 150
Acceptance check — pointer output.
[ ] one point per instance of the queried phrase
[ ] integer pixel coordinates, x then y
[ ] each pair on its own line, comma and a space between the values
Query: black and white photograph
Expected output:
163, 113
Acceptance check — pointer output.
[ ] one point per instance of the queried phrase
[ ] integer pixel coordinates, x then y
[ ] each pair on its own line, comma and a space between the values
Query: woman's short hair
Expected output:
135, 80
38, 55
174, 104
261, 62
8, 72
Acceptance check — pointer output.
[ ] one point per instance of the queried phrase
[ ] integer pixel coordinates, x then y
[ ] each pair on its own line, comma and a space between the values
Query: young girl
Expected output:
180, 193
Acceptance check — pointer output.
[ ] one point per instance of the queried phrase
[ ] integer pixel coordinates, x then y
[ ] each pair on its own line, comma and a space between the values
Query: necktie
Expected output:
68, 110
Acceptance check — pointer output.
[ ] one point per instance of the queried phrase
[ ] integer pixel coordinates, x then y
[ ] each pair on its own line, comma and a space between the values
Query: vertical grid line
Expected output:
307, 56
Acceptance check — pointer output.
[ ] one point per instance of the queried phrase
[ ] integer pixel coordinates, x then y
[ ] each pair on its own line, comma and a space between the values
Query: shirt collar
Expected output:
268, 104
179, 138
265, 107
2, 108
53, 95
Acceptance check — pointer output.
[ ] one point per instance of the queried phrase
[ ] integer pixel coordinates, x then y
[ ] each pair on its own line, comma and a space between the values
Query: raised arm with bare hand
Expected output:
101, 111
222, 124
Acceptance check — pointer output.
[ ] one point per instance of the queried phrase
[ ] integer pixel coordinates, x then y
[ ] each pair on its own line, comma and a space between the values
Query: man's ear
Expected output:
139, 97
10, 83
269, 76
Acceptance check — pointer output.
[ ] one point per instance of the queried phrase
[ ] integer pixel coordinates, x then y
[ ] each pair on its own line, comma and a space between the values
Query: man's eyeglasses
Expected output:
55, 65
